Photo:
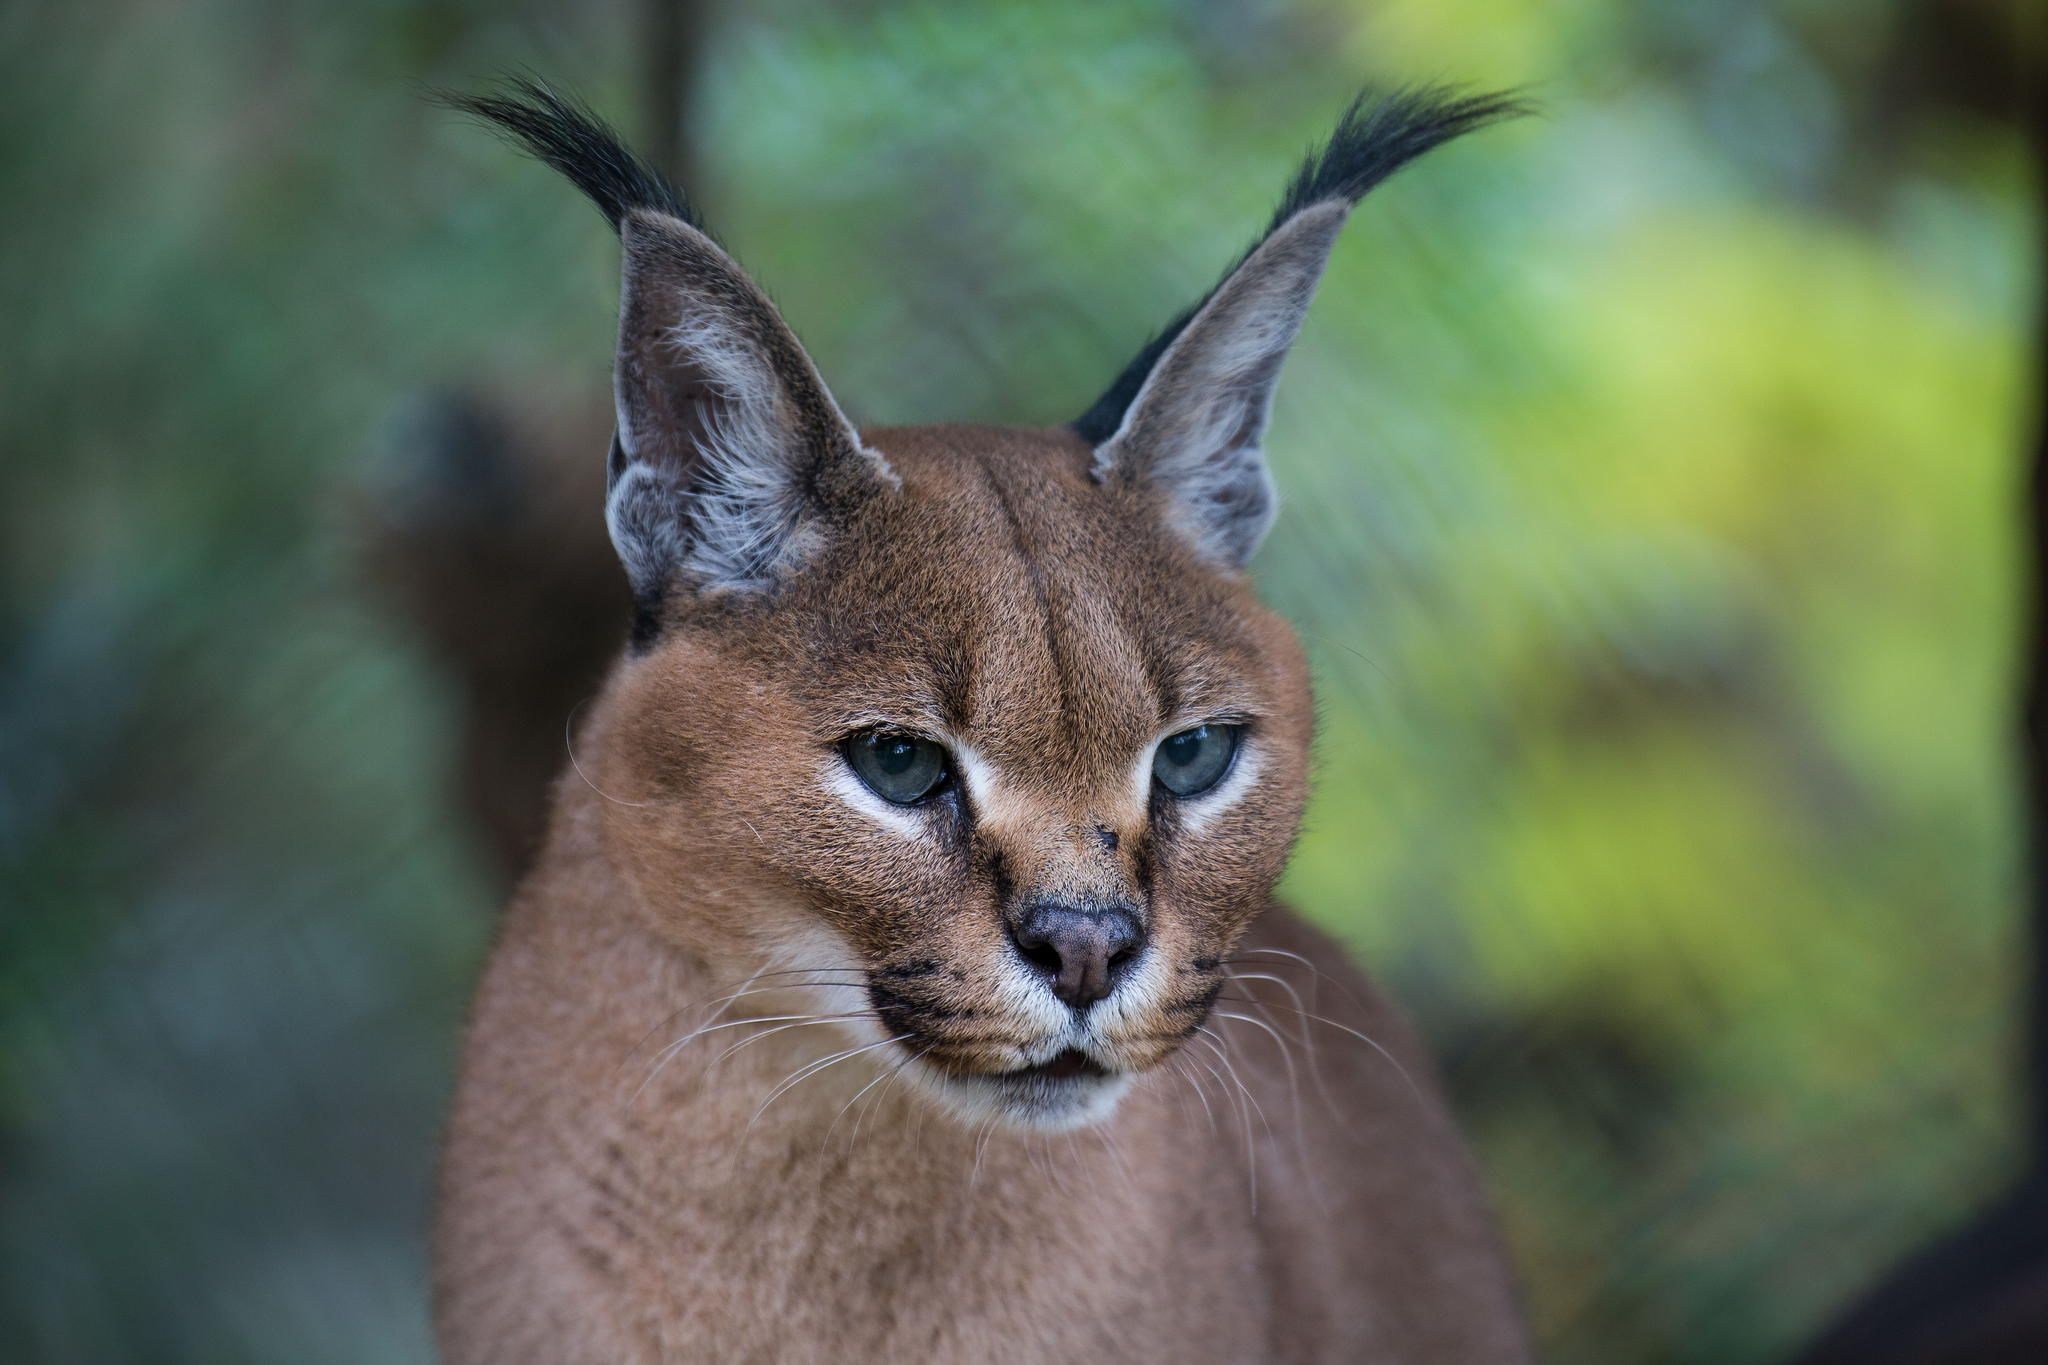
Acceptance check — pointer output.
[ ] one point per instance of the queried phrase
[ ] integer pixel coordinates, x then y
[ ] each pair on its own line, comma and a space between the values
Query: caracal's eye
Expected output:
1193, 761
897, 767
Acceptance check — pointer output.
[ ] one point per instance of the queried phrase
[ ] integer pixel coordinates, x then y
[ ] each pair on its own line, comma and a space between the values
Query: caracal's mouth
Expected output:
1067, 1065
1070, 1089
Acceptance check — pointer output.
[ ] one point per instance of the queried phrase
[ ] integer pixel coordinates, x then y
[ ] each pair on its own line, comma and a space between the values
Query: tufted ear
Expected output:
730, 453
1197, 427
730, 456
1189, 414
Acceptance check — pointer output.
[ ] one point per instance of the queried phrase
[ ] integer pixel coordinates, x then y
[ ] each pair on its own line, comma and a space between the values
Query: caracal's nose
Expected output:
1081, 950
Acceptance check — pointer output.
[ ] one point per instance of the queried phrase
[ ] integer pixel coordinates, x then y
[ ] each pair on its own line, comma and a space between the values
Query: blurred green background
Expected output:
1654, 475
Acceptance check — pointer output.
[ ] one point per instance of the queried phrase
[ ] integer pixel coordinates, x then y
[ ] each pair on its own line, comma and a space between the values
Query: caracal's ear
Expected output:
730, 456
1189, 413
730, 452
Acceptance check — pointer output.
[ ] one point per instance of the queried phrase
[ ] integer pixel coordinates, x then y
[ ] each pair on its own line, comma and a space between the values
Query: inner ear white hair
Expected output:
1188, 414
731, 458
730, 448
1198, 425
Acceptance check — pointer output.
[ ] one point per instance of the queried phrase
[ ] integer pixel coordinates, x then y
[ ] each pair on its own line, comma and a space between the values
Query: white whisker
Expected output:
804, 1073
879, 1077
1370, 1042
568, 743
1251, 1161
1194, 1083
668, 1053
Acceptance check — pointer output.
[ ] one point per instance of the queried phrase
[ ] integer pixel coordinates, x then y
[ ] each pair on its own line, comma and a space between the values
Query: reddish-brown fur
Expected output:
784, 1055
606, 1199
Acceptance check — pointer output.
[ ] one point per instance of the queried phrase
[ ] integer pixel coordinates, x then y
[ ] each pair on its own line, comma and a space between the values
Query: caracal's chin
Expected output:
1053, 1097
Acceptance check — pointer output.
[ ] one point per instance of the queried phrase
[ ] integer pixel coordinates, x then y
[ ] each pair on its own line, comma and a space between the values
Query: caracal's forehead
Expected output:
1004, 598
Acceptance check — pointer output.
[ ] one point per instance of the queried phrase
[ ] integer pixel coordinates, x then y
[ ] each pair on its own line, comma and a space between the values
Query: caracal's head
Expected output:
976, 736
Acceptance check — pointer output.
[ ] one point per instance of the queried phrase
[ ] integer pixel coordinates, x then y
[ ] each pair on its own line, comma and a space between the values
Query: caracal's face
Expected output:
1003, 773
978, 731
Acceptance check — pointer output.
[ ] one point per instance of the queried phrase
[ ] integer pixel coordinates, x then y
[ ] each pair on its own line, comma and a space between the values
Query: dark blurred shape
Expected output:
1501, 1068
1980, 1296
489, 544
492, 548
2031, 85
674, 38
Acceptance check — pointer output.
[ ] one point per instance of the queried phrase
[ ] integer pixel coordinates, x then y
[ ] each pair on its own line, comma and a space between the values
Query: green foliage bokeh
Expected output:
1651, 472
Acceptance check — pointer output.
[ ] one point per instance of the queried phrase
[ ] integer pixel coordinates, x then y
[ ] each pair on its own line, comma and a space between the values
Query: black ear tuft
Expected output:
563, 132
1375, 138
730, 460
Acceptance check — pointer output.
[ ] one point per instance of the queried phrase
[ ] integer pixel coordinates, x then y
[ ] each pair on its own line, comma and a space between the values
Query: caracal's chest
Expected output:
901, 1240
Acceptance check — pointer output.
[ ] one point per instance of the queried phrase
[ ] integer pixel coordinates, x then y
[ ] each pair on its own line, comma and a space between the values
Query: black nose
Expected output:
1080, 950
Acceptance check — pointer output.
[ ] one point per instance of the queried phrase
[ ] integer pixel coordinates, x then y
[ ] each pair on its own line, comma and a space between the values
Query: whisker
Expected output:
1315, 1066
668, 1054
1055, 1169
663, 1021
1367, 1039
1316, 974
744, 990
812, 971
1282, 983
1251, 1156
895, 1074
988, 1131
804, 1073
568, 743
1194, 1083
880, 1076
1286, 1050
1116, 1156
1178, 1091
1339, 644
697, 1033
1286, 1056
727, 1000
753, 1038
1222, 1046
1223, 1084
1308, 1040
1074, 1159
1036, 1152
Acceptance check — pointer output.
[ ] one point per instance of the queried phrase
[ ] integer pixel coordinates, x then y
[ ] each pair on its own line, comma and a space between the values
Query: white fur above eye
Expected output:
988, 792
